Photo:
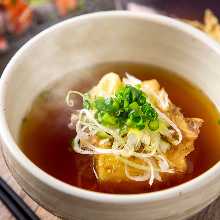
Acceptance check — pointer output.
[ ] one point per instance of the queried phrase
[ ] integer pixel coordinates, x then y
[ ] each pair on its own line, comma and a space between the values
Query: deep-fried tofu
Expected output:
107, 86
190, 131
110, 169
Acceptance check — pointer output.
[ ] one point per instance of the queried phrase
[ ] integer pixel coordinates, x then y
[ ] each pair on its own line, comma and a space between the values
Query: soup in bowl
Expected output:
114, 115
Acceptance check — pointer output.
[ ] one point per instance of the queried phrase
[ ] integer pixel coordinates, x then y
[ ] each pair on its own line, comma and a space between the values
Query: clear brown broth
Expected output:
45, 137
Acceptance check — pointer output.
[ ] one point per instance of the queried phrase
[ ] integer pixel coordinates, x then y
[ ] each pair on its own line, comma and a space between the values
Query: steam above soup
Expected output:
133, 130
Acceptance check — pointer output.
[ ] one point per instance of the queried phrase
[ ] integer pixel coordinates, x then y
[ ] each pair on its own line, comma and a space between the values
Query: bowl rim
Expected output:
194, 184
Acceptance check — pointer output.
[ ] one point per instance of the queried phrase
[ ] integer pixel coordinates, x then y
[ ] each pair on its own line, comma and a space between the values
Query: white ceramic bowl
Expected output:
92, 39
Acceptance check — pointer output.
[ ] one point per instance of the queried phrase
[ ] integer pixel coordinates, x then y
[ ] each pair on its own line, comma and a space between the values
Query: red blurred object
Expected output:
18, 15
3, 44
64, 6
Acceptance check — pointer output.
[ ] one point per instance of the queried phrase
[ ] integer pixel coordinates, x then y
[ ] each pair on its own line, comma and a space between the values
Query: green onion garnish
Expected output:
128, 108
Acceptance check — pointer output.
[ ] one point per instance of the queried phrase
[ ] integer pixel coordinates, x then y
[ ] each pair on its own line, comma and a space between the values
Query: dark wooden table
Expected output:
191, 10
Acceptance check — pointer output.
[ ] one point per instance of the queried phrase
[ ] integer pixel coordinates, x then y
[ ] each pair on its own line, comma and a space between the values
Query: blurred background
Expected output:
22, 19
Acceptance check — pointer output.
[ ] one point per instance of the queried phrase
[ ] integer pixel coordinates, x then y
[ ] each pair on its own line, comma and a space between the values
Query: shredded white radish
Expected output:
163, 99
146, 139
163, 164
69, 100
173, 125
131, 80
73, 121
164, 146
132, 142
144, 177
104, 141
157, 176
151, 180
133, 164
93, 167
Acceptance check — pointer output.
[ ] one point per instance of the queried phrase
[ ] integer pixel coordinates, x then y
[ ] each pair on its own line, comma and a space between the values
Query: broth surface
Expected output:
46, 139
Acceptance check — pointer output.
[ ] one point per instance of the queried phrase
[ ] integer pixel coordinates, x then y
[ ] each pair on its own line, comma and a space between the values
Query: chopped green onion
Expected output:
134, 106
129, 107
150, 113
129, 122
153, 125
142, 100
100, 104
99, 116
115, 105
134, 116
107, 119
126, 103
140, 125
138, 86
87, 102
123, 130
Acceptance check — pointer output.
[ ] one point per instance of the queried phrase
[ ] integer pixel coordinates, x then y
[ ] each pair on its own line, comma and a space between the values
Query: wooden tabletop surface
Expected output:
212, 212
